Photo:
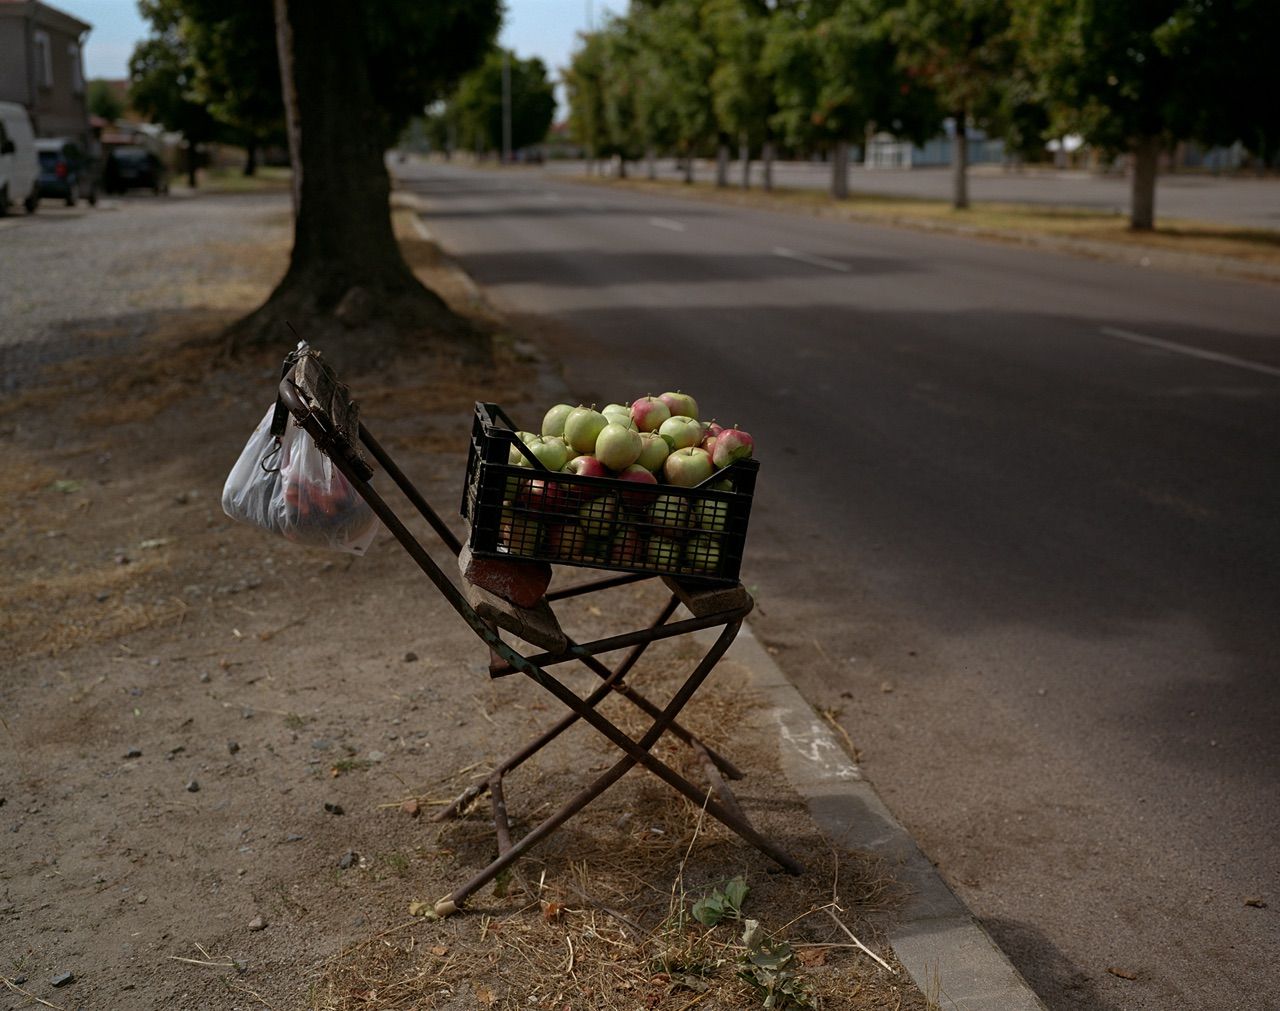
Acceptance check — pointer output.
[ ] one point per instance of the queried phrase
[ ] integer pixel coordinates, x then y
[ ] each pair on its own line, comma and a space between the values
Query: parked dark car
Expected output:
65, 173
134, 168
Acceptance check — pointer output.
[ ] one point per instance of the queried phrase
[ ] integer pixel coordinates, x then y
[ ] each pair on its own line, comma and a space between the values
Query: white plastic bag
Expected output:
294, 490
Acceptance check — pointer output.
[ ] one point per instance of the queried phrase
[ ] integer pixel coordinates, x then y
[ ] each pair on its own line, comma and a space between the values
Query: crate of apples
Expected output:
644, 487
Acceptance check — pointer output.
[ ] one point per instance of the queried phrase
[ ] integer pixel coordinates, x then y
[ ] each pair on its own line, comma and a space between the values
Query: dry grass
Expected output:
1005, 221
601, 918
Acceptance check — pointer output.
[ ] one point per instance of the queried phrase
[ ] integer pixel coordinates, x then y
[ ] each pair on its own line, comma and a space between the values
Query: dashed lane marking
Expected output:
1193, 352
813, 261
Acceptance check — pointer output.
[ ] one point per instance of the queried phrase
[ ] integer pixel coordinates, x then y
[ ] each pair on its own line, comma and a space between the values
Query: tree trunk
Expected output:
651, 162
688, 167
960, 164
622, 167
1142, 210
289, 93
722, 165
766, 153
347, 283
191, 164
744, 156
840, 170
251, 157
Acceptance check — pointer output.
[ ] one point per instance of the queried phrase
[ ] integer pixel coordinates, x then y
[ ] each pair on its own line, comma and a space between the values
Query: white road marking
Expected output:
813, 261
422, 229
667, 223
1194, 352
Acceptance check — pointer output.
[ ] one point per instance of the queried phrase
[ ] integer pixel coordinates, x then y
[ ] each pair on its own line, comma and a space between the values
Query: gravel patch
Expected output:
89, 281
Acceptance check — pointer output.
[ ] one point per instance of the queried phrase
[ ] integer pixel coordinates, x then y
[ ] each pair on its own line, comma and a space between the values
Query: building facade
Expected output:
42, 67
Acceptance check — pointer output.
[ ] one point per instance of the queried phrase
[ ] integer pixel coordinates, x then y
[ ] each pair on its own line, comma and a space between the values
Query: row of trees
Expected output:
691, 76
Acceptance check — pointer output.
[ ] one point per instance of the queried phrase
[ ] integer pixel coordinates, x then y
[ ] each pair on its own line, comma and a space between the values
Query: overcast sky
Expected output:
545, 28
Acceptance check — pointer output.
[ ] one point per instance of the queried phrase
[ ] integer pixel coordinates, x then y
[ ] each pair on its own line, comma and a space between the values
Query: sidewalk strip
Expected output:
1193, 352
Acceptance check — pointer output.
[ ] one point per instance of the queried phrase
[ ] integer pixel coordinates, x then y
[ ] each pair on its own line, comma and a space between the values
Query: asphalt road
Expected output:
1027, 554
1241, 201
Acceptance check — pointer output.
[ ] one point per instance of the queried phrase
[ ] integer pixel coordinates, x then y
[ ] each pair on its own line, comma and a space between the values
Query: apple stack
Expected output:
640, 487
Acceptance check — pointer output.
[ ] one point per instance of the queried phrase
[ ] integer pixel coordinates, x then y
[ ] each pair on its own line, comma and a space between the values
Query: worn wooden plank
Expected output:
537, 624
703, 600
522, 583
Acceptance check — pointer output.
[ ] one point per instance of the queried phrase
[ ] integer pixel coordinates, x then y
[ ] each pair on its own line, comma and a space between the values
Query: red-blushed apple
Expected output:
627, 548
702, 555
688, 468
680, 432
649, 413
680, 404
663, 553
709, 432
653, 451
670, 513
711, 515
585, 466
550, 497
581, 428
567, 541
553, 420
597, 516
618, 447
639, 475
732, 444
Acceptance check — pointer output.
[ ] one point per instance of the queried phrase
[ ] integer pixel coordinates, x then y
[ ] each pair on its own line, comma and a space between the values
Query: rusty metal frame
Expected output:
719, 803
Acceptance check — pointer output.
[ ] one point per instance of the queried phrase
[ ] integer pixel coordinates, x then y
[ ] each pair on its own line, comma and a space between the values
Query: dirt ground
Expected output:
209, 735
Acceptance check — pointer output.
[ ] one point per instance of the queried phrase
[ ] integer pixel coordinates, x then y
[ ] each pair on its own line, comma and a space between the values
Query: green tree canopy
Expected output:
475, 108
1138, 76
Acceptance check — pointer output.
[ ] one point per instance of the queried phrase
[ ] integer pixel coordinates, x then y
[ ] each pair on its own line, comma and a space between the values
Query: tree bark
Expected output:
744, 156
347, 282
766, 153
722, 165
622, 167
289, 93
688, 167
191, 164
840, 170
251, 157
651, 162
1142, 210
960, 164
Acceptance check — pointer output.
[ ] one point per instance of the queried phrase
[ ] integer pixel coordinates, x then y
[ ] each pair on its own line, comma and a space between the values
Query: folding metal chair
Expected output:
321, 406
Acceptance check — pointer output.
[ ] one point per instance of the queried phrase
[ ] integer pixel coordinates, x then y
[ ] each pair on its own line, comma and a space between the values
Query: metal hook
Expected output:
274, 452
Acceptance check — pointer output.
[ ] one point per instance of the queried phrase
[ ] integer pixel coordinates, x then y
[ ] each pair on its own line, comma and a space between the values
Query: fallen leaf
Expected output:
410, 807
418, 908
1256, 902
439, 951
551, 911
812, 957
1115, 970
484, 995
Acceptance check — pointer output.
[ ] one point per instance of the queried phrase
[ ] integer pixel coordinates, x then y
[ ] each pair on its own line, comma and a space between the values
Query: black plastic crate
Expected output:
535, 514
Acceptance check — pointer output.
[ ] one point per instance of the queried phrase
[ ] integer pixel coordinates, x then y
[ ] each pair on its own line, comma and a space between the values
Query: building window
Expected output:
44, 59
77, 74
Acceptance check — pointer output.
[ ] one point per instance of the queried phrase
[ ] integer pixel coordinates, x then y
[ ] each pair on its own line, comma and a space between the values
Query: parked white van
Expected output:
19, 167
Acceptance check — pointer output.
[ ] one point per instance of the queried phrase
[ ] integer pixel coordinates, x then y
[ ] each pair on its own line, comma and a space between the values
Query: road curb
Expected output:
935, 936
